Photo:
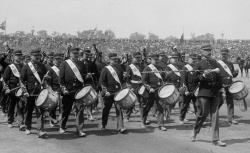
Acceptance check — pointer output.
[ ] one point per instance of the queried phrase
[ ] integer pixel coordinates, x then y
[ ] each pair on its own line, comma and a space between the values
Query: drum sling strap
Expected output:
56, 70
225, 67
153, 68
135, 70
190, 69
75, 70
35, 72
14, 70
114, 74
173, 68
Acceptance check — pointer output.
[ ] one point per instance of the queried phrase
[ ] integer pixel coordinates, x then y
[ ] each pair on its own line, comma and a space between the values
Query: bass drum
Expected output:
125, 98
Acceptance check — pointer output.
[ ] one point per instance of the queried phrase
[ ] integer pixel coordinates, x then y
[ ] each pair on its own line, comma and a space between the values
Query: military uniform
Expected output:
109, 84
226, 80
135, 81
69, 82
208, 96
11, 81
189, 83
150, 80
33, 87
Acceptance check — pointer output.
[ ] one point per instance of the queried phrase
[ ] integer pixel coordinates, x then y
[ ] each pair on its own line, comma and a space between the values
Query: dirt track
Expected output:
176, 139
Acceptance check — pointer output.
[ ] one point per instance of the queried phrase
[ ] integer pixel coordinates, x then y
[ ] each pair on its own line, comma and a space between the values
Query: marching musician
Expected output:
188, 84
11, 81
90, 67
152, 82
49, 61
227, 72
33, 74
27, 59
134, 80
111, 80
72, 74
208, 95
52, 81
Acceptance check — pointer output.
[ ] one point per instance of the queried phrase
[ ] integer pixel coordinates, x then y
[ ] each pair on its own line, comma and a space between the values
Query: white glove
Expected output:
107, 94
151, 90
7, 91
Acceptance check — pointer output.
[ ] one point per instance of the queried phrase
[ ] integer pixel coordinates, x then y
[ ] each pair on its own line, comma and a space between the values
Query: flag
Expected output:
182, 39
3, 25
91, 33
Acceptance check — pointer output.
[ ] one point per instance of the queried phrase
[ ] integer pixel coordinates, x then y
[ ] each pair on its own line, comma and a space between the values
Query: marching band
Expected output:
156, 81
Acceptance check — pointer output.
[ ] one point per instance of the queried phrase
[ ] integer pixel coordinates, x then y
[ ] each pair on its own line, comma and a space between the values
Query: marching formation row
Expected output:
45, 82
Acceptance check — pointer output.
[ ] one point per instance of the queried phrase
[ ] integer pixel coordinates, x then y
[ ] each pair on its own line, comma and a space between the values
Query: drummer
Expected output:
111, 80
72, 75
11, 79
33, 73
52, 81
152, 82
134, 79
227, 72
208, 95
188, 84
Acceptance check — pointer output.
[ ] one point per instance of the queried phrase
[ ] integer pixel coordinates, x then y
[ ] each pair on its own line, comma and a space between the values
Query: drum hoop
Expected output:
80, 90
119, 91
164, 86
235, 82
38, 96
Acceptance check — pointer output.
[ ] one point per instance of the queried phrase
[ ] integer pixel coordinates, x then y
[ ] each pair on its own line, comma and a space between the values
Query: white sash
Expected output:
75, 70
14, 70
34, 72
176, 71
153, 68
56, 70
135, 70
114, 74
190, 69
226, 68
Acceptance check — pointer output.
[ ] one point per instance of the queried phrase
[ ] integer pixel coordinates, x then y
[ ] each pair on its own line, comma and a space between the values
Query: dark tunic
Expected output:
226, 79
189, 79
53, 80
131, 77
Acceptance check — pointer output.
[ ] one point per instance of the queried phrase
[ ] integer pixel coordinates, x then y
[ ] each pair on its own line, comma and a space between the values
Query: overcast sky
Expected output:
162, 17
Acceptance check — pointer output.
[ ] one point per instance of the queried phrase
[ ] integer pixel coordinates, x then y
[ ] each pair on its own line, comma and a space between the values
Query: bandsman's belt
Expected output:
133, 81
211, 83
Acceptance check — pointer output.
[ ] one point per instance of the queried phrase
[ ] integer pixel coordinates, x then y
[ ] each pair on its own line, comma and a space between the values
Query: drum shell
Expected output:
89, 98
128, 101
50, 101
170, 100
241, 94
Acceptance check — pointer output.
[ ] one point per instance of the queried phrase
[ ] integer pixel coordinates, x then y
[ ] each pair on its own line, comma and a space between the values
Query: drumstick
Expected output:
15, 88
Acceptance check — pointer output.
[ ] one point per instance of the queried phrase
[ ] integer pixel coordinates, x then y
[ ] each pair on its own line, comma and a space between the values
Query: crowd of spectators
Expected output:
58, 44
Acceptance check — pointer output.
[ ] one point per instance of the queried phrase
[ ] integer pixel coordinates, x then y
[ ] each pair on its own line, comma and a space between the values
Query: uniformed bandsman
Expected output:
49, 63
152, 82
188, 84
227, 73
72, 75
111, 80
11, 81
134, 80
208, 95
33, 73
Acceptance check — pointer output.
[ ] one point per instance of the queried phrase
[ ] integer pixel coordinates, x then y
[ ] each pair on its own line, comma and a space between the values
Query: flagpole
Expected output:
5, 25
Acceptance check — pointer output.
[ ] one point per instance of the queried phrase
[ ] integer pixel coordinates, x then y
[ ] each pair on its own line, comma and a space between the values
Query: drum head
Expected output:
141, 90
42, 97
121, 94
82, 92
236, 87
19, 92
166, 91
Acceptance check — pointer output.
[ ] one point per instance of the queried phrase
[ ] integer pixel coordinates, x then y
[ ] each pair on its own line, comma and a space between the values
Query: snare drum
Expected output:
238, 90
125, 98
86, 95
47, 99
168, 94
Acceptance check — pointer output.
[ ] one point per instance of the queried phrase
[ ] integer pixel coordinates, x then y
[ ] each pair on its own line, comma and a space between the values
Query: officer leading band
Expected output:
66, 78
